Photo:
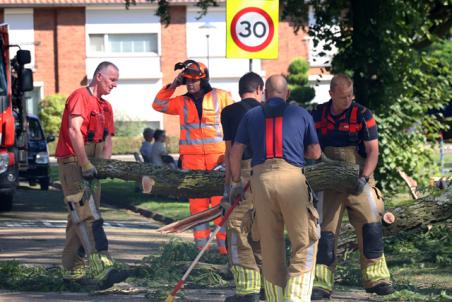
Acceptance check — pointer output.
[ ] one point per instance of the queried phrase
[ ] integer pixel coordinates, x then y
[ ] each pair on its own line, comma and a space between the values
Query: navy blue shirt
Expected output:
337, 127
298, 132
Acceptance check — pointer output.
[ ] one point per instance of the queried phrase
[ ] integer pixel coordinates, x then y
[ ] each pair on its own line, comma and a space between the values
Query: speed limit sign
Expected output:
252, 29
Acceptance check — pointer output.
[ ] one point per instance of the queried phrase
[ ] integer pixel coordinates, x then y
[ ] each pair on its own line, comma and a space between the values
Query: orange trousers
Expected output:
202, 231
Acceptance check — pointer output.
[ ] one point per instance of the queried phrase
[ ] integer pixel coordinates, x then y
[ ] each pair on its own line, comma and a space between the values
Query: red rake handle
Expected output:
181, 282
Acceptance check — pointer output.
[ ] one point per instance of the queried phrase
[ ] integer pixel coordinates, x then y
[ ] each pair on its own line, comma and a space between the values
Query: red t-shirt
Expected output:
82, 103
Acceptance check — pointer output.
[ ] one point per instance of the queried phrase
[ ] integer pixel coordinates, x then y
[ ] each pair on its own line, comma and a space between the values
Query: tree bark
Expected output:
327, 174
420, 213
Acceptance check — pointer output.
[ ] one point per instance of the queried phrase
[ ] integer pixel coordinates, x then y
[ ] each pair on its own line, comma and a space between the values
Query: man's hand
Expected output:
237, 191
360, 185
177, 81
89, 172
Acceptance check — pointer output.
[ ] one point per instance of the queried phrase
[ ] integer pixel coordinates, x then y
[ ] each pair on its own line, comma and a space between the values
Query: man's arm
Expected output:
312, 151
108, 147
76, 137
235, 158
227, 163
372, 157
163, 101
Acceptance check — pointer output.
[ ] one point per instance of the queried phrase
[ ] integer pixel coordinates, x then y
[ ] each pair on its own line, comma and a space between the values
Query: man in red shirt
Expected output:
86, 130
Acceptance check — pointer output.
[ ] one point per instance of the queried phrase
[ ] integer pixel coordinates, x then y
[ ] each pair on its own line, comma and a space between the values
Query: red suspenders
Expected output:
274, 137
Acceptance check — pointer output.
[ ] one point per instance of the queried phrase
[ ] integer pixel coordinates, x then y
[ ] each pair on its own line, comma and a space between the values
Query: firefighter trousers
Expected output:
202, 232
365, 212
244, 249
282, 199
85, 234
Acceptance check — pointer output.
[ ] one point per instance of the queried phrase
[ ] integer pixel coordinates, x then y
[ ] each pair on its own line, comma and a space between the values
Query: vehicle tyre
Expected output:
44, 183
6, 202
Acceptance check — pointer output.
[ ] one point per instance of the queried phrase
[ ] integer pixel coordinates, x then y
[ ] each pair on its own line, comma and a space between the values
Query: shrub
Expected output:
297, 79
50, 113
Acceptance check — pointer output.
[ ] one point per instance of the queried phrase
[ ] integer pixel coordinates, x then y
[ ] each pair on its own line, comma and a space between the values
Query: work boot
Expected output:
113, 276
320, 294
381, 289
103, 272
243, 298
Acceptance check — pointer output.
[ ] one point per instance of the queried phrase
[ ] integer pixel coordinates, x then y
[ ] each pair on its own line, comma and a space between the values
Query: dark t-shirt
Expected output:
231, 117
298, 132
338, 134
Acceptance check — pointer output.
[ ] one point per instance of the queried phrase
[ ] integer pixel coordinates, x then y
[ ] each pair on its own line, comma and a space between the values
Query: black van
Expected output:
38, 155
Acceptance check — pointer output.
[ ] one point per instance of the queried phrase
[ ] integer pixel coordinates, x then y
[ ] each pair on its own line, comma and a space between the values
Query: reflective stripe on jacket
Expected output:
203, 136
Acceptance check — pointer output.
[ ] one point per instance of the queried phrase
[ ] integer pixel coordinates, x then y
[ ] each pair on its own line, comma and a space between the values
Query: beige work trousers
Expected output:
282, 199
244, 249
73, 186
363, 209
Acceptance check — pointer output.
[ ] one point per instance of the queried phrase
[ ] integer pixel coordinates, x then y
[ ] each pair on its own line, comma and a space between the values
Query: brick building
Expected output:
68, 38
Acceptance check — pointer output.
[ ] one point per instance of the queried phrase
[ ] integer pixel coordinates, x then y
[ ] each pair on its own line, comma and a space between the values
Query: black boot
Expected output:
320, 294
244, 298
113, 276
381, 289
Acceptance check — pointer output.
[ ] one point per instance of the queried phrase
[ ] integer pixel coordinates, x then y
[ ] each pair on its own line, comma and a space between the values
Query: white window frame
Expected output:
107, 50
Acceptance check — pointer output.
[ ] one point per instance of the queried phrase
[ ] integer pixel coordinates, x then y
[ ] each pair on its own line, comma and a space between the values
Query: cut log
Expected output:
420, 213
327, 174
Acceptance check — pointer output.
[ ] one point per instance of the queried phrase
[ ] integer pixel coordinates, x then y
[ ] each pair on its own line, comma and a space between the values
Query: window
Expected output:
34, 130
123, 43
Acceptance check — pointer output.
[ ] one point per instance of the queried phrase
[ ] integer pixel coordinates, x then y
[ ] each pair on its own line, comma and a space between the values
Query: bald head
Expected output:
276, 87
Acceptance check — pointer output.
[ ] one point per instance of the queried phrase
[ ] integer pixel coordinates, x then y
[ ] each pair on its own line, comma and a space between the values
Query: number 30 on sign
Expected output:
252, 29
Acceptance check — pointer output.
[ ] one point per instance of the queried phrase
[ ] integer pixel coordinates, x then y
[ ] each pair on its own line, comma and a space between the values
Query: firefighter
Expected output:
85, 133
243, 245
281, 136
201, 145
347, 132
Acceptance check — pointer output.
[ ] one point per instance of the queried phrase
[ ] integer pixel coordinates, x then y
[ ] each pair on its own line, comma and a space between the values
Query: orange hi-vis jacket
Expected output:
203, 136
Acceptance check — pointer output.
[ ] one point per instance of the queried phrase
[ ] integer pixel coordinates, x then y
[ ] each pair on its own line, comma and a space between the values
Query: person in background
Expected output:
159, 154
146, 146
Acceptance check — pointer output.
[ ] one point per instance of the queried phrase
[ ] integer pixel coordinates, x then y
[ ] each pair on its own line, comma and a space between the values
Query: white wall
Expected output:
21, 31
140, 73
132, 100
322, 87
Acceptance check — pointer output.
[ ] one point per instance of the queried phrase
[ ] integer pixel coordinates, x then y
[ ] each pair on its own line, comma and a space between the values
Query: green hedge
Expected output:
128, 145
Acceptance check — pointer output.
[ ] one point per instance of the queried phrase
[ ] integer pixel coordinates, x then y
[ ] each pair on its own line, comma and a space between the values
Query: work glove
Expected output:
237, 191
89, 172
360, 185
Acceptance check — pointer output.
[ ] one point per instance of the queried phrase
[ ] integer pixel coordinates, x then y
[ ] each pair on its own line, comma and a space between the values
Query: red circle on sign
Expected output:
271, 29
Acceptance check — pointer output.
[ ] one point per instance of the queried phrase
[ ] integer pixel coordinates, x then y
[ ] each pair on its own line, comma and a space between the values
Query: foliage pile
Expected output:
170, 264
408, 254
50, 113
156, 272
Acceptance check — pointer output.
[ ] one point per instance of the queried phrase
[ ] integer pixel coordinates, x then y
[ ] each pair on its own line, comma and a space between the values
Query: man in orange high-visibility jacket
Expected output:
201, 144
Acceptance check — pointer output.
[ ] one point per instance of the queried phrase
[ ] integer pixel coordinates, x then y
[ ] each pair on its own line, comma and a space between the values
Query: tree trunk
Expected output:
420, 213
327, 174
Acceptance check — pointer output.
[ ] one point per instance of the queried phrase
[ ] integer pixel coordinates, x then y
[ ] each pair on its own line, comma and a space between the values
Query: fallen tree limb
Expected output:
421, 213
327, 174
